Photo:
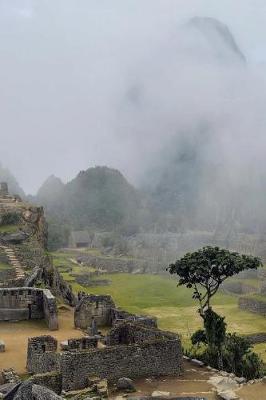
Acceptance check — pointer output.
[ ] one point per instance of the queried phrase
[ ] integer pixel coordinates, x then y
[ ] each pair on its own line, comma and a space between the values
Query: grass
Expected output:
4, 266
159, 296
175, 309
257, 296
8, 228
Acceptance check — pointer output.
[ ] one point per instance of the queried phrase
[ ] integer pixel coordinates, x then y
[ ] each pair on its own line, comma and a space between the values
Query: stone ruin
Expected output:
92, 309
100, 310
26, 303
134, 347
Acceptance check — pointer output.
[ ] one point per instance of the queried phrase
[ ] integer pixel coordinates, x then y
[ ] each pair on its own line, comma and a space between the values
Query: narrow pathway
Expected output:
13, 260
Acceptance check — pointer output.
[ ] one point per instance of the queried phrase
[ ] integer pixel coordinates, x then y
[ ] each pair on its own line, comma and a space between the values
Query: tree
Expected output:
206, 269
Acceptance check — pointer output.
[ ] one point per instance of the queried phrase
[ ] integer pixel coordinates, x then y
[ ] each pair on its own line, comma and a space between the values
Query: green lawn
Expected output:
4, 266
173, 306
8, 228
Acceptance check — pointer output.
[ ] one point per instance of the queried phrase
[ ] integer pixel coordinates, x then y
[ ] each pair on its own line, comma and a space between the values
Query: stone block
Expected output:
2, 346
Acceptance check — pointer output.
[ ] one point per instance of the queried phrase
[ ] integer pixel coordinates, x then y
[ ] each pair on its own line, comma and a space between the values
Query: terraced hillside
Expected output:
24, 260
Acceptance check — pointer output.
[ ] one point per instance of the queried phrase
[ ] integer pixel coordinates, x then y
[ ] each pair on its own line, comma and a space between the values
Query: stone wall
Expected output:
127, 332
41, 355
103, 311
51, 380
28, 303
256, 338
263, 287
92, 307
50, 310
252, 304
83, 343
238, 287
148, 352
113, 265
119, 315
156, 358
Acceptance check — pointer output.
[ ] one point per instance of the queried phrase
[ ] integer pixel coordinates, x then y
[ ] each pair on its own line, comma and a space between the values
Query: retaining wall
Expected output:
252, 305
158, 358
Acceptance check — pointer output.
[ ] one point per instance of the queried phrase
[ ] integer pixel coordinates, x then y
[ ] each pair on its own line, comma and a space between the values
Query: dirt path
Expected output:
193, 382
253, 392
15, 336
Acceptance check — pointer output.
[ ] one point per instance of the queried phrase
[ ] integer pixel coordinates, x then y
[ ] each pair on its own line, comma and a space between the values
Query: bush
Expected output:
236, 355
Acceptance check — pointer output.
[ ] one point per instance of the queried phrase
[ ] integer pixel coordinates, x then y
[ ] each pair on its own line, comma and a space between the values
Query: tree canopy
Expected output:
206, 269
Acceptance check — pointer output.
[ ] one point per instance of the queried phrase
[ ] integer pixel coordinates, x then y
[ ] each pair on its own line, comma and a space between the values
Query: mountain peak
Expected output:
218, 38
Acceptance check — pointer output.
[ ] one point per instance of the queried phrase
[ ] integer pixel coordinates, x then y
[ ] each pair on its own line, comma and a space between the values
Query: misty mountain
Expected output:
98, 198
214, 39
51, 193
6, 176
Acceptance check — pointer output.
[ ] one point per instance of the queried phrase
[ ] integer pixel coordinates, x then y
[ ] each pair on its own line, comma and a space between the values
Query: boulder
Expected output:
15, 238
227, 395
41, 393
126, 384
196, 362
29, 391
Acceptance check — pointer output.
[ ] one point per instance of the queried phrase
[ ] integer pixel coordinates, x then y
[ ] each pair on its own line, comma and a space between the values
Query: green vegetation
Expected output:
204, 271
176, 311
99, 198
8, 228
4, 266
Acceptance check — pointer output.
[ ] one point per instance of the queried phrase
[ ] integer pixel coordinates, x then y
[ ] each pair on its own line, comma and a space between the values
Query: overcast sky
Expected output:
85, 83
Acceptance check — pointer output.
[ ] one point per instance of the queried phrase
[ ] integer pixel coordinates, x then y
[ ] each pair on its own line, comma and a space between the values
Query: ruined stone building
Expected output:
26, 303
134, 347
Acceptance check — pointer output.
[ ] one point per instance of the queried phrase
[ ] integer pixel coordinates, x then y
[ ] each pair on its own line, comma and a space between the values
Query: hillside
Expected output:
24, 260
99, 198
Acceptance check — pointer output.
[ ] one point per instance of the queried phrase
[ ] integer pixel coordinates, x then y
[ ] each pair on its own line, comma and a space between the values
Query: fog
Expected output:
116, 83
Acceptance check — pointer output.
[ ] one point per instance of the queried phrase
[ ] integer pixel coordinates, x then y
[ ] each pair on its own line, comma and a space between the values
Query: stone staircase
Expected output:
13, 260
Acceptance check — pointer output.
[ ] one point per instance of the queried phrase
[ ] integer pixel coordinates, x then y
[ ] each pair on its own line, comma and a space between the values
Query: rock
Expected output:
197, 362
29, 391
15, 238
223, 384
227, 395
126, 384
158, 393
240, 380
42, 393
2, 346
102, 388
7, 387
